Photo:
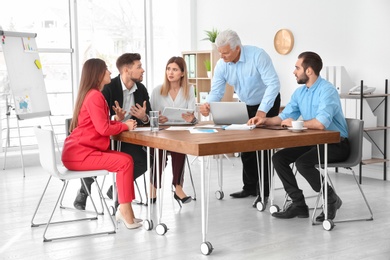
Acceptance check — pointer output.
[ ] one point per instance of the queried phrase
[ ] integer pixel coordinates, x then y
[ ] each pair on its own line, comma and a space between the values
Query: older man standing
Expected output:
250, 71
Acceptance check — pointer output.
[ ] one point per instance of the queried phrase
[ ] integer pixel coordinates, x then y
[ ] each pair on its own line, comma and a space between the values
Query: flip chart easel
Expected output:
25, 79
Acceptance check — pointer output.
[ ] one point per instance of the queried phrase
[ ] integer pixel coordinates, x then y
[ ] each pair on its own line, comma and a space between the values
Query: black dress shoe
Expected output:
81, 200
258, 199
184, 200
109, 192
243, 194
332, 208
292, 211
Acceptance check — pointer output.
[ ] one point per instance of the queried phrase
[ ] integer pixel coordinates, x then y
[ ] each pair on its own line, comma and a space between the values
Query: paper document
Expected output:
179, 128
239, 127
210, 126
202, 131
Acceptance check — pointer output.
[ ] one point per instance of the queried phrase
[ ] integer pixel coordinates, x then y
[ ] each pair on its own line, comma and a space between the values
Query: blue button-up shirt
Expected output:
322, 102
253, 77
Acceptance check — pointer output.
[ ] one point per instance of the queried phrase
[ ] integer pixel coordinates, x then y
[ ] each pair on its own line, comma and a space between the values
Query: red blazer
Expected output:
92, 135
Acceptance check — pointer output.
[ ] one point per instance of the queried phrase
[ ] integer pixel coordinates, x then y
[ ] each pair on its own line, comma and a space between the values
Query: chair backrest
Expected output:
46, 147
355, 138
67, 125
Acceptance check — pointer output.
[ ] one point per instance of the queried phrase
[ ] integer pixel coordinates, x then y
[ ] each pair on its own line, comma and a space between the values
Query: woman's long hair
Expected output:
183, 80
92, 76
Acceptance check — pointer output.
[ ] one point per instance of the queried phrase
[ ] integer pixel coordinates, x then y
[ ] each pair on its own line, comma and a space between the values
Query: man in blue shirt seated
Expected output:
250, 71
318, 103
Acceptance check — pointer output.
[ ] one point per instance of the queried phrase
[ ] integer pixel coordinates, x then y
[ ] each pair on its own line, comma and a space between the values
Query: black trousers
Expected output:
139, 157
305, 158
178, 164
250, 175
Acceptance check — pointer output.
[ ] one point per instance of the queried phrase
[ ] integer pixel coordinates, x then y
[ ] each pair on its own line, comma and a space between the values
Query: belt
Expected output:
255, 106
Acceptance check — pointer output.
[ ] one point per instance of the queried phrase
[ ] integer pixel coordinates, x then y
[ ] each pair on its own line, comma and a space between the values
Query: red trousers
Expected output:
112, 161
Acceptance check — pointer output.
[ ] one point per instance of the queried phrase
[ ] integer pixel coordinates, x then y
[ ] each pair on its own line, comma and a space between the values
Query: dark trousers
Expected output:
178, 162
305, 158
250, 175
139, 158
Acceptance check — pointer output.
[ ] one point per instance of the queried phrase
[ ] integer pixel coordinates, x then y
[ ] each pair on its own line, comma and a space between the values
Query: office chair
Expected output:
47, 157
355, 138
67, 125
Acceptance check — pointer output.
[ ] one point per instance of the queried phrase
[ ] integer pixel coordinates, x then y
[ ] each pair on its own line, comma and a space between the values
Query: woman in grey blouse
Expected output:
175, 92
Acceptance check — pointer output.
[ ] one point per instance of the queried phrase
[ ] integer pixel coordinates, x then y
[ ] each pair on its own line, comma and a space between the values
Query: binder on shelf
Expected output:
187, 60
192, 66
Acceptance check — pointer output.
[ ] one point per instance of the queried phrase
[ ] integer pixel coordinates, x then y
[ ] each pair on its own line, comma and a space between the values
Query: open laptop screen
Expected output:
227, 113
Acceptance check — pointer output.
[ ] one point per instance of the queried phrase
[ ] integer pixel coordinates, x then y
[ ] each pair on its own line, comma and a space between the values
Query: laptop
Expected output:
227, 113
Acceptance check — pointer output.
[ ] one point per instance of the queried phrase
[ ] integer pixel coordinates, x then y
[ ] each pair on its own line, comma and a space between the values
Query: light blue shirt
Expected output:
253, 77
322, 102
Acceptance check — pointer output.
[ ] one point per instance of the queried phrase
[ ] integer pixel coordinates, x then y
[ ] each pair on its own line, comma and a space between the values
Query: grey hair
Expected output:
228, 37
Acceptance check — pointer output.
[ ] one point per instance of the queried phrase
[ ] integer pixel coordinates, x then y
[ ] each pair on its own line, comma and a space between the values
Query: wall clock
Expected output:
284, 41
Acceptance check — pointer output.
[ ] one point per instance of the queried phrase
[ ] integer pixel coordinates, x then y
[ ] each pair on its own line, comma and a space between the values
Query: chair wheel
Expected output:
148, 224
274, 208
206, 248
161, 229
328, 224
112, 211
260, 206
219, 194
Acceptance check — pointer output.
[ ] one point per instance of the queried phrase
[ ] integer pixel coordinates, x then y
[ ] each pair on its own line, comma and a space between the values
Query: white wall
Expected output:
352, 33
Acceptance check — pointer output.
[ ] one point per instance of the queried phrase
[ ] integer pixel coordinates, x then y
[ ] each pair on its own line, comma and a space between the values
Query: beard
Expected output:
303, 80
137, 79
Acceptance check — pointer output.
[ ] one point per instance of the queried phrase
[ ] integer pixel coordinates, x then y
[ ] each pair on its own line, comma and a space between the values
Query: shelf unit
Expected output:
382, 148
197, 74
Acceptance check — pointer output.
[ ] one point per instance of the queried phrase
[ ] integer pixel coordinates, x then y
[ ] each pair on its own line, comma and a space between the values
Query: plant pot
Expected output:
209, 74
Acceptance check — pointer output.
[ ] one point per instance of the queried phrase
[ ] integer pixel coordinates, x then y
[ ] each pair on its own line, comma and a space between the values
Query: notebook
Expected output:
227, 113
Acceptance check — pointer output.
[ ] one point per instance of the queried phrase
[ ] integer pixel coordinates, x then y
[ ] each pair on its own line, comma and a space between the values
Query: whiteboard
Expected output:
25, 74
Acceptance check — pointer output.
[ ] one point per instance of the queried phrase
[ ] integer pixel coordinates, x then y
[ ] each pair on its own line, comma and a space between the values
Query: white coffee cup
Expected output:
297, 124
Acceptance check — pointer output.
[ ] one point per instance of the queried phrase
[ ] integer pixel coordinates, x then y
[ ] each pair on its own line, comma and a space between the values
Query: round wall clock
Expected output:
284, 41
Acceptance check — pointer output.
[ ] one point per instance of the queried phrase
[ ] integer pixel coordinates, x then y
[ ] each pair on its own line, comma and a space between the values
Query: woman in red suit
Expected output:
88, 145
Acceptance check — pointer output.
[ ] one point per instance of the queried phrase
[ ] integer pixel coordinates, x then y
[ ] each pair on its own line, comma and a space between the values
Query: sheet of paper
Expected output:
141, 129
209, 126
179, 128
203, 131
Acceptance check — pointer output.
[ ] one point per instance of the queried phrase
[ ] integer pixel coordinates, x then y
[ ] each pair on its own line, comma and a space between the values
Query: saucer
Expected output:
297, 130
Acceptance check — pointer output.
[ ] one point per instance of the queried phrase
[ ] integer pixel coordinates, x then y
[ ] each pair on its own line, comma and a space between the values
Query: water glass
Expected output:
153, 116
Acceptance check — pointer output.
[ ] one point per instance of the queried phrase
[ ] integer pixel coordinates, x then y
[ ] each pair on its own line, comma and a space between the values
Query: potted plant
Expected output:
207, 64
211, 35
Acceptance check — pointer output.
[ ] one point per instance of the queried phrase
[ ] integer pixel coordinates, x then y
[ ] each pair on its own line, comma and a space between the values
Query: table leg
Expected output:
328, 224
161, 228
206, 248
219, 193
260, 205
148, 223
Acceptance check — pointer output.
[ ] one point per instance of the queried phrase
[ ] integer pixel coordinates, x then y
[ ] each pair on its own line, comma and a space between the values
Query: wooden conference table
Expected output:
223, 142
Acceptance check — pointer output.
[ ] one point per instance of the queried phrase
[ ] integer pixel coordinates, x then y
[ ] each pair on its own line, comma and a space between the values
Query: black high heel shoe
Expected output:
184, 200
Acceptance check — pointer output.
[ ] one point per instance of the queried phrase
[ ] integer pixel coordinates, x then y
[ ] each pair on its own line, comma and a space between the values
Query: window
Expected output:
50, 20
106, 29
